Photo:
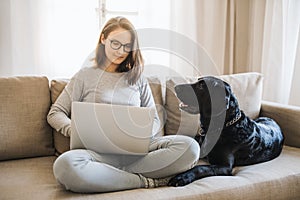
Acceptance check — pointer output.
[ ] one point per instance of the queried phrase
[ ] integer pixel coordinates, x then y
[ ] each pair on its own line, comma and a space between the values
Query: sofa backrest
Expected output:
24, 131
25, 103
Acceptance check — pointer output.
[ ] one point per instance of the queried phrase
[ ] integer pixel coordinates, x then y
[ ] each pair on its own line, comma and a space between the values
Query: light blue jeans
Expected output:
86, 171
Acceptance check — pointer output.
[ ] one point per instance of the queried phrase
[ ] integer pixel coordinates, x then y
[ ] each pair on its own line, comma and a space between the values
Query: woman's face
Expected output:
117, 46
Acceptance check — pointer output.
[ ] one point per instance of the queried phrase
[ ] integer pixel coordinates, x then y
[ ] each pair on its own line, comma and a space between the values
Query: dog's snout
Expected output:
177, 89
184, 90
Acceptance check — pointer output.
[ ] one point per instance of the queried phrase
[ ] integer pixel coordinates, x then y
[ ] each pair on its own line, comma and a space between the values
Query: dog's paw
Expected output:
182, 179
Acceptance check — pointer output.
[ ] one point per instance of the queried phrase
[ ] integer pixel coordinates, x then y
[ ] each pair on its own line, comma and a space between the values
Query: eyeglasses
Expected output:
115, 45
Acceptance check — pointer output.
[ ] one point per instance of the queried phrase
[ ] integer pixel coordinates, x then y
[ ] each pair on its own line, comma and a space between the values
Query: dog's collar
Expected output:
201, 132
238, 116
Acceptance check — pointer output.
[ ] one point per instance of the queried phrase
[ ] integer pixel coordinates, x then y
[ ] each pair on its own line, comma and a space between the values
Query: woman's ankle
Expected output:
154, 182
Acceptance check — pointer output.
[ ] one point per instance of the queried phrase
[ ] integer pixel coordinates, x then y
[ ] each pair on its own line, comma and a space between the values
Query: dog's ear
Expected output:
227, 101
227, 93
219, 94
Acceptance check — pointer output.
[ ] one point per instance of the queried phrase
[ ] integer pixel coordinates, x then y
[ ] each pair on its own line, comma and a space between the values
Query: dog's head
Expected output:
209, 96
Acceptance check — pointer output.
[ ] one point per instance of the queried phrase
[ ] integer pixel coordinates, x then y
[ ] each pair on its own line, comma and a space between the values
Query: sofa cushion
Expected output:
24, 131
246, 86
156, 88
276, 179
178, 121
30, 178
62, 143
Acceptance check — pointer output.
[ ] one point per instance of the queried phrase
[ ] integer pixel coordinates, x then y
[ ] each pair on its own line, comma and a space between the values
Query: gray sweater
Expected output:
93, 84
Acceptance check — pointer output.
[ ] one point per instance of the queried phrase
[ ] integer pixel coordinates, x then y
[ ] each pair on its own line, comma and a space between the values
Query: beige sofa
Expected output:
28, 145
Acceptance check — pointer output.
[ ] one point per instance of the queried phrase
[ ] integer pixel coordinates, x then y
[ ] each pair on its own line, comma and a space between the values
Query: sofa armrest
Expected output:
288, 119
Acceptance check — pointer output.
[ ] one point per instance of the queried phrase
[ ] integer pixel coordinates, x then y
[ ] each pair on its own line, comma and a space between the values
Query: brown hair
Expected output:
134, 63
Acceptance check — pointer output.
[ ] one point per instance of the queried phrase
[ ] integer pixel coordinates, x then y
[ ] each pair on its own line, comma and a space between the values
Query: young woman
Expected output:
117, 78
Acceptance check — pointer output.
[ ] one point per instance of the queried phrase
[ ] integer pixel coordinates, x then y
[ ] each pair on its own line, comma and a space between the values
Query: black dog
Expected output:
238, 140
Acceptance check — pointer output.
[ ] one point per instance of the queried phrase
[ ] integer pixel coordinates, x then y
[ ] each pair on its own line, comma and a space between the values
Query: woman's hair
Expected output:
134, 63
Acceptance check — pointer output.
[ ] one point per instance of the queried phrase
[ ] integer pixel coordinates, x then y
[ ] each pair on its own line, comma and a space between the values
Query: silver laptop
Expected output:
111, 129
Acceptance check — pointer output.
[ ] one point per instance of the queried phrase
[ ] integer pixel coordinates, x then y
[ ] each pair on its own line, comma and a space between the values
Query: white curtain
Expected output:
204, 22
280, 51
247, 35
46, 37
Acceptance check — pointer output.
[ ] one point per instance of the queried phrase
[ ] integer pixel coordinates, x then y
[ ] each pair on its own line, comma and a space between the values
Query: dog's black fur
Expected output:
243, 141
